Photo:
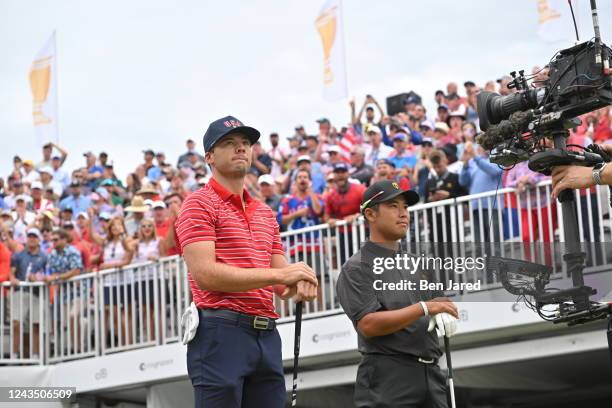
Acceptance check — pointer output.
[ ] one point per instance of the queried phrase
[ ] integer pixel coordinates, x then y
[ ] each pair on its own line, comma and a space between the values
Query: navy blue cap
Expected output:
341, 167
223, 127
386, 161
412, 99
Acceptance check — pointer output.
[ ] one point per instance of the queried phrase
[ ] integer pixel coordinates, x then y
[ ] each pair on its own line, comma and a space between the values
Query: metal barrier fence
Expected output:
93, 314
140, 305
72, 318
22, 322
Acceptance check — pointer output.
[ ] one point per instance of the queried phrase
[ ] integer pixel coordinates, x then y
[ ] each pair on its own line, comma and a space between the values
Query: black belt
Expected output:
244, 320
412, 357
432, 361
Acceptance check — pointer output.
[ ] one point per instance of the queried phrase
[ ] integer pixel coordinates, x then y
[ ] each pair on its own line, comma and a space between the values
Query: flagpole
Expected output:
344, 49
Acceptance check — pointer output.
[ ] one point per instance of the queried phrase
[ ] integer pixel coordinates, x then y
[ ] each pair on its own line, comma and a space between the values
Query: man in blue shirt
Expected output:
94, 171
27, 265
75, 201
63, 263
153, 172
401, 156
479, 175
305, 163
300, 210
303, 208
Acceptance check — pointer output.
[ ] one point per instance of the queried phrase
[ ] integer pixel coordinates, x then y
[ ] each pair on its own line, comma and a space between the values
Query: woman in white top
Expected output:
148, 251
117, 252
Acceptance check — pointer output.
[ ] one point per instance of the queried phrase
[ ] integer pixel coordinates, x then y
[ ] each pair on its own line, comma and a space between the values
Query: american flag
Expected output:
350, 139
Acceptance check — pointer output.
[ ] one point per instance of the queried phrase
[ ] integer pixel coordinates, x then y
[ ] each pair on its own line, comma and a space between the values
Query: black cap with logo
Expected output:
225, 126
386, 190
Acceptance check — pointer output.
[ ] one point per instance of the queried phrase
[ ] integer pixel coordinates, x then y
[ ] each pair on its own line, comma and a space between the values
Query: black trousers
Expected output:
399, 382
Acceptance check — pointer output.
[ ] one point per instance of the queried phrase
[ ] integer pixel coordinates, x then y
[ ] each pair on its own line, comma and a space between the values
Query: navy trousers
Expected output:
234, 366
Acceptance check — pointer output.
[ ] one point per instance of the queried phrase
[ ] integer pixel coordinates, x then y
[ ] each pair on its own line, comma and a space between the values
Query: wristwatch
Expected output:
597, 169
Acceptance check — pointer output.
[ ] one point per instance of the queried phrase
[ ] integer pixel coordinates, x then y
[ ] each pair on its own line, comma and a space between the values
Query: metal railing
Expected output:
22, 312
140, 305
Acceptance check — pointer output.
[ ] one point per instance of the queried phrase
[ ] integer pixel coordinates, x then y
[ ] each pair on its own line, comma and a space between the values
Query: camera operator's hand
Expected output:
606, 148
571, 177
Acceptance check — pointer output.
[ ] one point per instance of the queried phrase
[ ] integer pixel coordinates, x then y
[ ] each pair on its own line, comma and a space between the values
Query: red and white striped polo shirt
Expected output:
242, 239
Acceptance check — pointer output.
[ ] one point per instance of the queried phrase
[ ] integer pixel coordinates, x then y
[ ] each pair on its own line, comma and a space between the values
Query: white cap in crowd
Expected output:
158, 204
266, 179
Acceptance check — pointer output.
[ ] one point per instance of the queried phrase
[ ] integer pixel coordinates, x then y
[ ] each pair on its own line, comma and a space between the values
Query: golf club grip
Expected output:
296, 350
449, 364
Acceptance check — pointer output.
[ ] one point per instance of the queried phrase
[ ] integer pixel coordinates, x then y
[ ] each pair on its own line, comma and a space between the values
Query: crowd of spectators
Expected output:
89, 218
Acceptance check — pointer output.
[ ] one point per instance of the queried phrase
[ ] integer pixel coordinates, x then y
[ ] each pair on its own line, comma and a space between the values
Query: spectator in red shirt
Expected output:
231, 245
160, 217
5, 260
343, 204
82, 246
602, 126
385, 170
169, 244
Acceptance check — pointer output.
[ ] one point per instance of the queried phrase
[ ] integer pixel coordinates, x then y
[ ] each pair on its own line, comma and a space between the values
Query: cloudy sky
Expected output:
150, 74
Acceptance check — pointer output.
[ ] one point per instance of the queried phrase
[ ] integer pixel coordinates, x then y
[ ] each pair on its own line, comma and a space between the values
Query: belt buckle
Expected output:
425, 361
261, 323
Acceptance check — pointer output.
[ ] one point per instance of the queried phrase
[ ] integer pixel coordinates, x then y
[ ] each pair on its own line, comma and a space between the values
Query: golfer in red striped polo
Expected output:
232, 248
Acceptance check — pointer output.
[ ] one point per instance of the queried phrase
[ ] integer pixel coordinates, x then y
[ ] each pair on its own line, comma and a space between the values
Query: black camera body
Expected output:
579, 82
519, 126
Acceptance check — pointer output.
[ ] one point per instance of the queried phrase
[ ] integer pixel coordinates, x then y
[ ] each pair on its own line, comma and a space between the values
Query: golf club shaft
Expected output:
449, 365
296, 350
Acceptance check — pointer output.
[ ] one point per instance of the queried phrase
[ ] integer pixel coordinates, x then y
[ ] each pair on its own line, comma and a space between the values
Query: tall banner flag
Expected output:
331, 29
555, 20
43, 83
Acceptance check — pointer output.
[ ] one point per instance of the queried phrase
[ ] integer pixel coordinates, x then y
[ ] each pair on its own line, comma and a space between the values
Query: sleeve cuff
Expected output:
371, 307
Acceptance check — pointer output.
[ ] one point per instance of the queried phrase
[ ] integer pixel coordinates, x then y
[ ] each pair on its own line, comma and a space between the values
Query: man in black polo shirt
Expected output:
442, 185
396, 339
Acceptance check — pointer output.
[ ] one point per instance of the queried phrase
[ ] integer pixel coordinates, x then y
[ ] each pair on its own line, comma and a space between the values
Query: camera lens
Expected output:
493, 108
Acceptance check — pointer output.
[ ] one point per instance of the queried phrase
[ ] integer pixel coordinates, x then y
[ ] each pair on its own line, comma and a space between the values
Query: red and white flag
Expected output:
349, 140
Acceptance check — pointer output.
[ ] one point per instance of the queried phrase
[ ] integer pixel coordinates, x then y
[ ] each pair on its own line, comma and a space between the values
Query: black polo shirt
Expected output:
447, 182
358, 297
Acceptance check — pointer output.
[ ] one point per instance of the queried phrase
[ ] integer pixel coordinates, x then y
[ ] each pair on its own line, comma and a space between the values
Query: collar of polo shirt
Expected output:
226, 195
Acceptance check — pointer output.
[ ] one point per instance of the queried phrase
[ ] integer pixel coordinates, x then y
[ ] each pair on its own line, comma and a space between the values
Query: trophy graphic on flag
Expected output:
40, 80
545, 12
326, 25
